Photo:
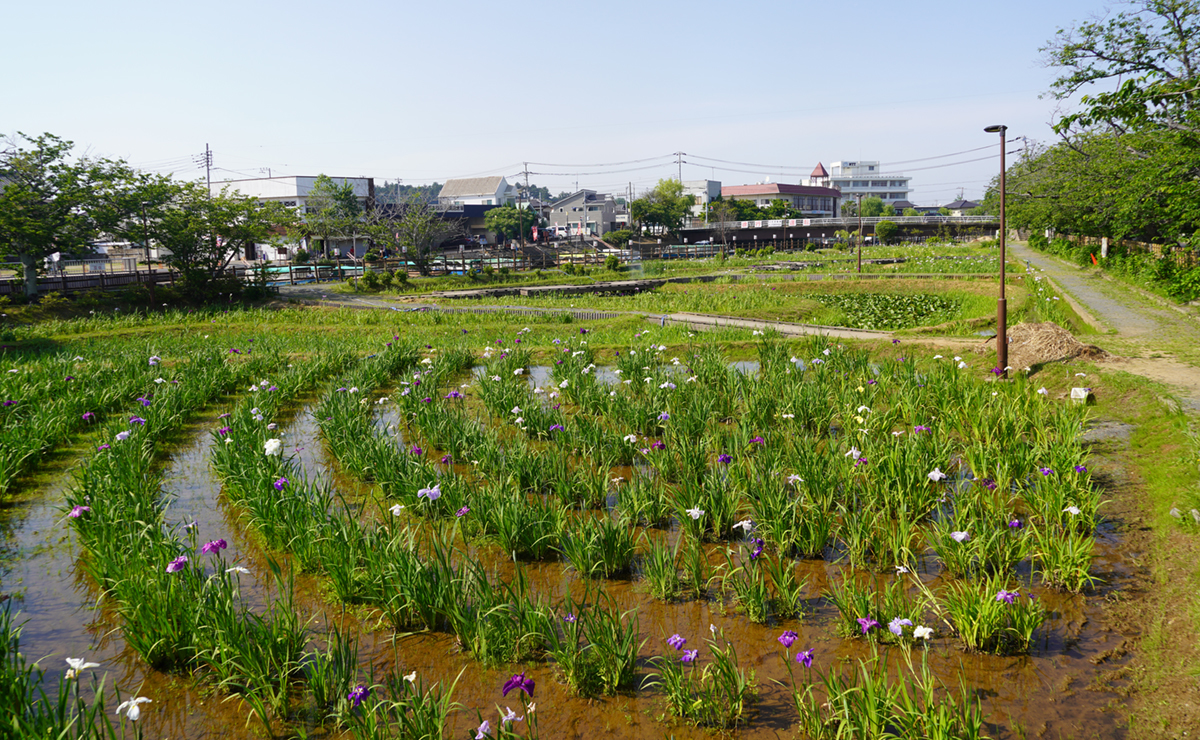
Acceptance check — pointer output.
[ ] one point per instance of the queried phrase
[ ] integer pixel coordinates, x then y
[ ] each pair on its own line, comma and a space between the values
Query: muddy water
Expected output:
1046, 692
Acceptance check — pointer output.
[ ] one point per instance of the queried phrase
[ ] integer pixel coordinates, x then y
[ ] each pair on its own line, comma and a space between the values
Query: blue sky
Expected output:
423, 91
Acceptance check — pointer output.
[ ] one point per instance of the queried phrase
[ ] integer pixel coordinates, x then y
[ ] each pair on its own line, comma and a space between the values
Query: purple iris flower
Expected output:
102, 447
570, 618
79, 511
1045, 471
88, 416
724, 459
223, 431
677, 641
1080, 469
664, 416
447, 460
556, 427
137, 420
10, 402
988, 483
918, 429
177, 564
1015, 524
280, 483
518, 681
787, 638
805, 658
1007, 596
145, 401
416, 450
357, 695
867, 624
463, 511
897, 625
688, 656
215, 546
757, 440
658, 445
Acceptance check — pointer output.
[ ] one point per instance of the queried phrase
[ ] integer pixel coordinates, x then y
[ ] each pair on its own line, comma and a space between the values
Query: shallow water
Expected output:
1044, 692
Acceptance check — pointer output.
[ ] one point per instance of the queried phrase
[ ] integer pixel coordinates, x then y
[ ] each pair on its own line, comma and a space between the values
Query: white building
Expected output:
704, 192
866, 178
477, 191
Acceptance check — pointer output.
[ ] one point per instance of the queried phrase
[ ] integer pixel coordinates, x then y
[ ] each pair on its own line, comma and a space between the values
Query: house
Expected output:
477, 191
866, 178
960, 207
584, 212
811, 200
293, 191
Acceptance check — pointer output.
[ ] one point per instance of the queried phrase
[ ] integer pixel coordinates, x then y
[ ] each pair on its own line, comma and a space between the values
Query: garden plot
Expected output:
677, 546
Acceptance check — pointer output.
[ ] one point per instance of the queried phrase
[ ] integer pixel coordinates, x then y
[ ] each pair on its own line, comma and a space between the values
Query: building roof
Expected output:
819, 171
778, 188
962, 205
470, 186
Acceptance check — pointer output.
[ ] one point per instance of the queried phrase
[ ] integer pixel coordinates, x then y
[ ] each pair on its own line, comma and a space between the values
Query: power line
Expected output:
604, 164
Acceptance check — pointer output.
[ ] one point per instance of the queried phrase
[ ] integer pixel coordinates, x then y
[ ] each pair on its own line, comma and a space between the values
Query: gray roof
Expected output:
470, 186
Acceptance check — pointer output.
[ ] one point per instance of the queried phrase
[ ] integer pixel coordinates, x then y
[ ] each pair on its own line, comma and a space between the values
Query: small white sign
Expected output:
1080, 395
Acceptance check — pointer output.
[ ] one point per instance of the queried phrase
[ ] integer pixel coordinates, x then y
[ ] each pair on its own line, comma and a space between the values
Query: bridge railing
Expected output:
850, 221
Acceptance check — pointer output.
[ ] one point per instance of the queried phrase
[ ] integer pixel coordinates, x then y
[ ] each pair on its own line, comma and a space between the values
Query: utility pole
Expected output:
520, 215
679, 162
146, 243
860, 233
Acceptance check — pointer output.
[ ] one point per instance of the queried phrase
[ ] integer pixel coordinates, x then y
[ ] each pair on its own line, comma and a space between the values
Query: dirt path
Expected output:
1145, 337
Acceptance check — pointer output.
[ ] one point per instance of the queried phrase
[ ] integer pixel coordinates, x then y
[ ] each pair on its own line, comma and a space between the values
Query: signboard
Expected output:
808, 222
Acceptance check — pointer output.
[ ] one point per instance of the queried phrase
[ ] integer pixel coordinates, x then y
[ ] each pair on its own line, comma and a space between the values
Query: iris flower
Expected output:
1007, 596
463, 511
79, 511
132, 708
897, 625
960, 536
688, 656
923, 633
432, 493
676, 641
805, 658
867, 624
272, 447
177, 564
357, 695
936, 475
280, 483
78, 665
483, 730
518, 681
214, 546
787, 638
695, 513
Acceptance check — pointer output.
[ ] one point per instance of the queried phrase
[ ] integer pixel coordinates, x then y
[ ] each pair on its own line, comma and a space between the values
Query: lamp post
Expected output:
1001, 303
860, 233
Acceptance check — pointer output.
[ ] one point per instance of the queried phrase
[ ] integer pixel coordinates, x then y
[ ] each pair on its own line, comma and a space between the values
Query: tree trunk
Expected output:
31, 276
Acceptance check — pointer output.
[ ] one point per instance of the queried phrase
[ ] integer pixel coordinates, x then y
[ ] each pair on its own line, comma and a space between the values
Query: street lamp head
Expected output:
996, 129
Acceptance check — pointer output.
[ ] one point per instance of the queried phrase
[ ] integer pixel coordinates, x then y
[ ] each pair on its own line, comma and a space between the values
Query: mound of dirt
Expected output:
1033, 344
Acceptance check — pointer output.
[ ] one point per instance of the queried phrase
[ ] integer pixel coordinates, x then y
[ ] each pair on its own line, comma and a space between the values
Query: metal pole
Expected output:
860, 233
1001, 303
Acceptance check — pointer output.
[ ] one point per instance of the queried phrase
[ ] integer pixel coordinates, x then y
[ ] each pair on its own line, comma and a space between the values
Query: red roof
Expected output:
819, 172
777, 188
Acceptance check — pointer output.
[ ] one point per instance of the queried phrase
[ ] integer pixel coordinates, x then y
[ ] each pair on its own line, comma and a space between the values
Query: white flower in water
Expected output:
159, 380
901, 570
962, 366
519, 420
922, 633
695, 513
553, 394
630, 438
957, 358
745, 525
411, 678
427, 361
755, 333
396, 509
897, 434
577, 353
662, 348
854, 452
612, 394
789, 416
864, 410
518, 371
382, 400
936, 475
79, 665
647, 380
238, 569
132, 708
937, 357
960, 536
674, 360
794, 479
1043, 392
617, 371
252, 388
712, 628
626, 382
563, 384
495, 377
538, 392
691, 379
272, 447
353, 389
1072, 510
516, 409
825, 352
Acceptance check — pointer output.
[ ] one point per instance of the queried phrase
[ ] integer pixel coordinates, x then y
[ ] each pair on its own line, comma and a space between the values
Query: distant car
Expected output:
702, 242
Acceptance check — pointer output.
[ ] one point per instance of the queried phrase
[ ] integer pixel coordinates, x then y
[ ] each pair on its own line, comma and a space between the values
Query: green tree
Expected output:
51, 203
888, 210
414, 228
872, 207
203, 232
331, 211
910, 212
664, 207
509, 222
885, 230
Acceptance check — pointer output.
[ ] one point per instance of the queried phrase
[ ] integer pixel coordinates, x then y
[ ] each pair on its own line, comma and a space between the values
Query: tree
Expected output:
51, 204
664, 207
888, 210
414, 228
885, 230
872, 207
1151, 53
722, 216
509, 222
911, 212
331, 210
204, 232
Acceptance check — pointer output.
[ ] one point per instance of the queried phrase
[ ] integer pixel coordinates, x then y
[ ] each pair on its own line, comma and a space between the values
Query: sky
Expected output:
596, 95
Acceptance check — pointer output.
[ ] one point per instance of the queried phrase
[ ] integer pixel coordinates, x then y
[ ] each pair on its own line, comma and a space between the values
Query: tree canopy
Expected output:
508, 222
663, 207
1127, 164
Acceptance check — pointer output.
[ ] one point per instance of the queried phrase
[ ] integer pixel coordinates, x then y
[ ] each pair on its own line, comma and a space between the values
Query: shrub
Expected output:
301, 257
619, 238
885, 230
371, 280
612, 263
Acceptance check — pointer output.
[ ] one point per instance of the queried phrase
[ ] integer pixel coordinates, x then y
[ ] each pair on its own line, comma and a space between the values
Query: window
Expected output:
879, 183
871, 168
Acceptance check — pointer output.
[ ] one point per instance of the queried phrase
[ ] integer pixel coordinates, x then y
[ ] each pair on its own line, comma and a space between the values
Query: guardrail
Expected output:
778, 223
